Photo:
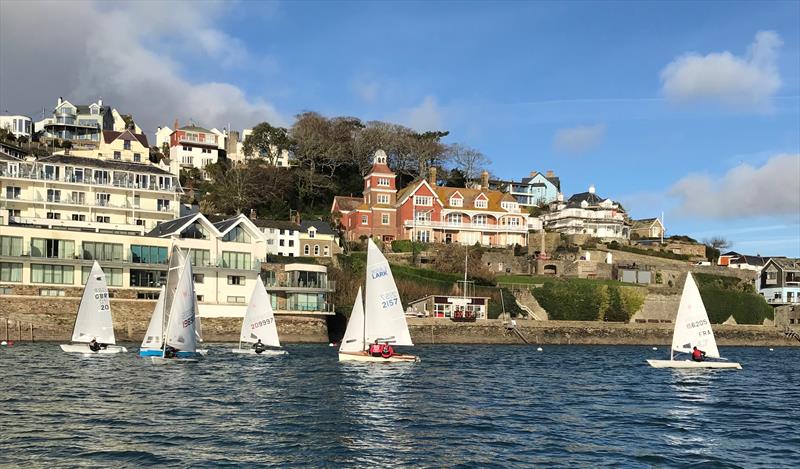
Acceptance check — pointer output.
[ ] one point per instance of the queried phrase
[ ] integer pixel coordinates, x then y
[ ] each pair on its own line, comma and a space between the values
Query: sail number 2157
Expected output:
389, 299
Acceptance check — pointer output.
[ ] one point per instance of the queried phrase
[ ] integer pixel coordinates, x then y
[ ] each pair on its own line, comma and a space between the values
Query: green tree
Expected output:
268, 142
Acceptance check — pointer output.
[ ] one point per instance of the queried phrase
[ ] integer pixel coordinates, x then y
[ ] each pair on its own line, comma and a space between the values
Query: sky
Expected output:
690, 109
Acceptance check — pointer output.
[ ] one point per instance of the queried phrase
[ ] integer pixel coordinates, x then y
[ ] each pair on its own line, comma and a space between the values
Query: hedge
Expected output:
406, 245
583, 301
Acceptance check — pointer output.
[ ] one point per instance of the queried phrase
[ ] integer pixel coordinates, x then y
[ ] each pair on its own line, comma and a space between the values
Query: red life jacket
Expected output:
387, 351
696, 354
375, 348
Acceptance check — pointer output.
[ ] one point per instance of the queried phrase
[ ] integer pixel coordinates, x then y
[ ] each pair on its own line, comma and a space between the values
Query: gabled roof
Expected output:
494, 198
225, 226
111, 135
590, 197
644, 223
195, 128
176, 226
322, 227
346, 204
730, 254
786, 264
748, 260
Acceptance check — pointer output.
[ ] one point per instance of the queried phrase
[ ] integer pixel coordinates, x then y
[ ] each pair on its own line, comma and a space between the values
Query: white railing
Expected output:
121, 184
77, 224
465, 226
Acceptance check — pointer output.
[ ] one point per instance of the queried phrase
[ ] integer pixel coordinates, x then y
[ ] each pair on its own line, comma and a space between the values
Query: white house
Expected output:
19, 126
588, 213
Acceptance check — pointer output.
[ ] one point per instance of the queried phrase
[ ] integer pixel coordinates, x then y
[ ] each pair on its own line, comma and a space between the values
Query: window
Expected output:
137, 201
422, 216
8, 291
326, 251
364, 220
456, 202
513, 221
53, 195
316, 250
46, 273
235, 299
383, 181
118, 155
237, 235
199, 298
102, 251
103, 219
291, 243
162, 205
100, 176
146, 295
236, 260
199, 278
454, 218
113, 276
102, 199
137, 158
52, 248
10, 272
384, 219
423, 236
50, 292
306, 250
306, 301
481, 203
424, 200
78, 217
126, 144
148, 254
11, 246
78, 198
281, 242
479, 220
235, 280
189, 160
148, 278
383, 199
138, 222
185, 148
13, 192
195, 231
200, 257
53, 216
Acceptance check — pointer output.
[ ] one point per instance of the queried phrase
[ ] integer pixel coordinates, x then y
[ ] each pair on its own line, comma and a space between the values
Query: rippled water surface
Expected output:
502, 406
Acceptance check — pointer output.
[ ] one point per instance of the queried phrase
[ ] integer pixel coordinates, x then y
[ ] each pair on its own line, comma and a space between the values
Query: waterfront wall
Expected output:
53, 318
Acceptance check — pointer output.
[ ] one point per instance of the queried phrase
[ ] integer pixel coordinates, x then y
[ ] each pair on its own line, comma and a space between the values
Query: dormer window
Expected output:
312, 232
481, 203
456, 200
424, 200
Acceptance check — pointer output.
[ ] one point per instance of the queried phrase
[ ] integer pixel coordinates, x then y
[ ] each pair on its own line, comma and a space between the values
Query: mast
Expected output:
364, 331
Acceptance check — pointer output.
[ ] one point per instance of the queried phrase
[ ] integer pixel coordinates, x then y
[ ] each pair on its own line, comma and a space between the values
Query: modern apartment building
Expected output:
227, 258
82, 125
19, 126
86, 194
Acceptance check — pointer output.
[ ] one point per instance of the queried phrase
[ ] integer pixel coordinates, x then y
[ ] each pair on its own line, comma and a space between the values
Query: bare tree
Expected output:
717, 242
469, 161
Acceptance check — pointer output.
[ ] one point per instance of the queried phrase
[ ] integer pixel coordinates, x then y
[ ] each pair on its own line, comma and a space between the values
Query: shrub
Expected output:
406, 245
647, 252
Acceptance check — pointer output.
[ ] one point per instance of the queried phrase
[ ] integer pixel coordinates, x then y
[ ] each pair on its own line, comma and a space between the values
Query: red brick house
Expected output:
423, 211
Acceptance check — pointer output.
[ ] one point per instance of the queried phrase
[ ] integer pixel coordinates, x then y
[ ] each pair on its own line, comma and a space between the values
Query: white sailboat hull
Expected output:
202, 351
364, 357
693, 364
84, 349
268, 353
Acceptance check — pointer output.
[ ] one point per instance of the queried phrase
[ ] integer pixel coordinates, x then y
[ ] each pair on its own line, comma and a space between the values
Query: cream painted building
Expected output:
226, 257
119, 146
86, 194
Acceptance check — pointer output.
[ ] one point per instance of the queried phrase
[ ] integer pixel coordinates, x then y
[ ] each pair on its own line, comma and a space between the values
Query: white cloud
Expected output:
139, 59
743, 83
579, 139
425, 116
366, 90
743, 192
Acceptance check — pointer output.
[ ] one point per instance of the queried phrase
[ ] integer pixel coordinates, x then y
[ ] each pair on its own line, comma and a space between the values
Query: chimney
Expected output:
175, 127
550, 173
591, 188
60, 100
253, 214
100, 101
432, 176
485, 180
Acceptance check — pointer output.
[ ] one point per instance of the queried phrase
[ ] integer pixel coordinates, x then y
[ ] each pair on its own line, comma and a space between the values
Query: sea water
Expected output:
462, 406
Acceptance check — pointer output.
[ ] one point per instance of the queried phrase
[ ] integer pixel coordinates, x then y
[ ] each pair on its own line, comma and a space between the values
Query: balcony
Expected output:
81, 225
292, 285
84, 181
304, 309
466, 226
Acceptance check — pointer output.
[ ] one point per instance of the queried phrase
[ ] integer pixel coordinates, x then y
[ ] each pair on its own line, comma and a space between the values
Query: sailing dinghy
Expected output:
94, 318
154, 337
693, 329
181, 335
380, 318
259, 323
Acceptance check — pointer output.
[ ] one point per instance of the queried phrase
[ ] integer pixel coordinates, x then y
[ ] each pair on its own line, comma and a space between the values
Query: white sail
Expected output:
176, 260
259, 320
692, 327
198, 326
353, 340
181, 324
94, 314
153, 338
384, 315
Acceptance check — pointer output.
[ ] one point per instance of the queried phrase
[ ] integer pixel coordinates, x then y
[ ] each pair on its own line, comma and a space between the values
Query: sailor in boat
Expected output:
170, 352
259, 347
375, 349
698, 355
93, 345
387, 351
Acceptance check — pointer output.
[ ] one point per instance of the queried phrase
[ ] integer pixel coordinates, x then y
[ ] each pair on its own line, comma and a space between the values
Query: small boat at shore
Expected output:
693, 329
180, 342
259, 324
93, 332
380, 319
